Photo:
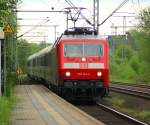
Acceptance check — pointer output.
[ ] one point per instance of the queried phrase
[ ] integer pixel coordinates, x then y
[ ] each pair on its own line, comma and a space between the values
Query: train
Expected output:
75, 66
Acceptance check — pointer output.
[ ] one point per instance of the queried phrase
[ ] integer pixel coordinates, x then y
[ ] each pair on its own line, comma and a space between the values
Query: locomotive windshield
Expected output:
83, 49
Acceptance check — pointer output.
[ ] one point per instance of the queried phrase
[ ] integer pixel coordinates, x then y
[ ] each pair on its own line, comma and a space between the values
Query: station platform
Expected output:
37, 105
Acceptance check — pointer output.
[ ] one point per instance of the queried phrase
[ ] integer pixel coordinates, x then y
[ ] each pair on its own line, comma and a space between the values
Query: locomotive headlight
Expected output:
68, 74
99, 73
83, 59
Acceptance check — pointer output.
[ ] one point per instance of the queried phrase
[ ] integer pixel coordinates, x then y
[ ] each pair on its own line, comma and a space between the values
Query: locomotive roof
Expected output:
43, 51
96, 37
80, 31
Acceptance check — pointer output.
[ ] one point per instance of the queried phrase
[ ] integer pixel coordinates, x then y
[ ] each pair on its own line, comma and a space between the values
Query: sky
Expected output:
38, 34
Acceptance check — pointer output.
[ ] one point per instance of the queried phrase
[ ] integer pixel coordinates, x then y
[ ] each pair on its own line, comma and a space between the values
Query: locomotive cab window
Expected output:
73, 49
93, 49
83, 49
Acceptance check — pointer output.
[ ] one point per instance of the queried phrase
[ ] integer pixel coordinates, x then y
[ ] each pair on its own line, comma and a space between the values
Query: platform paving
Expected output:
37, 105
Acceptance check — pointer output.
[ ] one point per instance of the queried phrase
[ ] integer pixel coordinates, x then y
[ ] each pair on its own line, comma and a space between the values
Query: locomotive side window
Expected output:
28, 63
38, 61
34, 62
92, 49
72, 49
46, 59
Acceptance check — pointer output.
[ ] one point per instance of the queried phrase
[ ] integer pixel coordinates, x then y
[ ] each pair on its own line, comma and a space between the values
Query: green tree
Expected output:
6, 11
130, 56
8, 15
142, 40
25, 49
144, 18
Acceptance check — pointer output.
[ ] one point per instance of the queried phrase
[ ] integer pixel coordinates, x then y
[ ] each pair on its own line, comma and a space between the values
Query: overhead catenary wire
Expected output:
35, 36
34, 27
125, 13
40, 11
38, 25
121, 5
29, 19
72, 5
136, 7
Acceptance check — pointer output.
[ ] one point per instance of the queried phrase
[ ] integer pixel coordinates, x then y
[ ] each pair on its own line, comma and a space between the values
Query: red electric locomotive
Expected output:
76, 66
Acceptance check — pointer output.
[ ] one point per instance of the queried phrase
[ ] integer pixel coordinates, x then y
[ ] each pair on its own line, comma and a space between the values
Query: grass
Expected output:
144, 114
6, 106
8, 101
116, 101
123, 105
22, 76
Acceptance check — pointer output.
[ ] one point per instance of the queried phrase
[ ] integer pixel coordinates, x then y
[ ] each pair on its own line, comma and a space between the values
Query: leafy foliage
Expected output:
130, 55
134, 63
8, 15
142, 40
6, 105
144, 18
6, 11
26, 49
123, 53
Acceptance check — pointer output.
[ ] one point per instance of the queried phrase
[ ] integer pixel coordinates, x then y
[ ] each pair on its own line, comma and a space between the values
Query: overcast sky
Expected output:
47, 33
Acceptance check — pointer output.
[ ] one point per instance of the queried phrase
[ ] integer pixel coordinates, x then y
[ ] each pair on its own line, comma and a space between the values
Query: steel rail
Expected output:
132, 92
133, 84
124, 116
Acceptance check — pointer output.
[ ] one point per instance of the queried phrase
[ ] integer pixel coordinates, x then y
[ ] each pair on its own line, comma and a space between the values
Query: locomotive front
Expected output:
83, 67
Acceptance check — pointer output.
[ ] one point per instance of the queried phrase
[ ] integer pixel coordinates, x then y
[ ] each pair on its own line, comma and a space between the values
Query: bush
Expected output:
114, 71
11, 82
122, 54
131, 55
123, 72
6, 105
135, 64
144, 70
127, 74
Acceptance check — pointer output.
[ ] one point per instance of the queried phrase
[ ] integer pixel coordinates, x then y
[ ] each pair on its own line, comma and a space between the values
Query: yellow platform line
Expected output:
58, 118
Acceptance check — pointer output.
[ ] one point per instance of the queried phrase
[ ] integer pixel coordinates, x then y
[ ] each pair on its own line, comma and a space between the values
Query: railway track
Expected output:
121, 115
109, 116
140, 85
137, 91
